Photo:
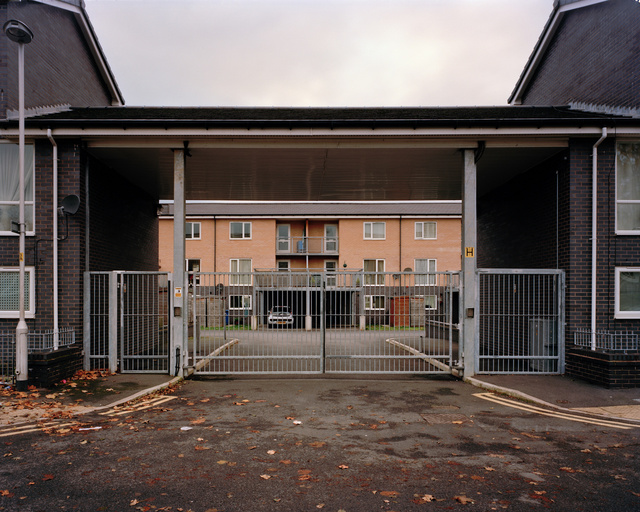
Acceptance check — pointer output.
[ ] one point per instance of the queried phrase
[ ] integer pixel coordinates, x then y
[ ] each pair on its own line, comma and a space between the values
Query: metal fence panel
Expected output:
520, 321
324, 322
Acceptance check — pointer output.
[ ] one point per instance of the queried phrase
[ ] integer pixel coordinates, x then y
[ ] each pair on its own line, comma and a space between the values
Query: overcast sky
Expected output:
317, 52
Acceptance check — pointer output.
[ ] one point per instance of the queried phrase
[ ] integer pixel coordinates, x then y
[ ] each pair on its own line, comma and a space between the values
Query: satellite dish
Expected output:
70, 204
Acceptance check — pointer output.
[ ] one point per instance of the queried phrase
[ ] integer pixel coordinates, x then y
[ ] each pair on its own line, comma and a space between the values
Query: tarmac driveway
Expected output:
332, 444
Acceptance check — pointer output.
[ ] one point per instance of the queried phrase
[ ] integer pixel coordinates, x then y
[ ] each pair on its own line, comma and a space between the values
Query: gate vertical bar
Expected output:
113, 321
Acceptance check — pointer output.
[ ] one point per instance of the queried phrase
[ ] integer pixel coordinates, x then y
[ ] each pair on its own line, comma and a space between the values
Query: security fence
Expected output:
310, 321
625, 341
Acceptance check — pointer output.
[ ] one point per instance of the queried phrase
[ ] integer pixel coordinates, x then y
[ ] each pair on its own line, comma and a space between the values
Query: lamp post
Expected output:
21, 34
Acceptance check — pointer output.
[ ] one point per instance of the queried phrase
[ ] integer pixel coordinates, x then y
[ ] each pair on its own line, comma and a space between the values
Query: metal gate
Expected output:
279, 322
126, 324
520, 321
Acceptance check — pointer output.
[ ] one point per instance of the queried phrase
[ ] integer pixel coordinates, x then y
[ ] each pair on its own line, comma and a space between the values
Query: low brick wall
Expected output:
46, 369
610, 370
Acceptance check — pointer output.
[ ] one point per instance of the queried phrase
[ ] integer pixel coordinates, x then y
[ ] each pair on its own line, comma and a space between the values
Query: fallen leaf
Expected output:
320, 505
343, 466
133, 503
488, 468
423, 498
265, 477
463, 499
271, 452
48, 477
317, 444
222, 462
391, 494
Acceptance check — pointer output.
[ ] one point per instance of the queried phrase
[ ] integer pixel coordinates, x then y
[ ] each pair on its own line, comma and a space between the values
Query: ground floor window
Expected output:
627, 292
240, 302
430, 301
9, 292
10, 187
374, 302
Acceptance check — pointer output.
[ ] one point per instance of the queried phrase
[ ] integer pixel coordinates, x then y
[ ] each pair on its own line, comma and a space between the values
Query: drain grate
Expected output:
444, 418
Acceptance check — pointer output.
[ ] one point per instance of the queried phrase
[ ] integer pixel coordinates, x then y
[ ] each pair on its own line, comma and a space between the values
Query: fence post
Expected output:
113, 321
86, 324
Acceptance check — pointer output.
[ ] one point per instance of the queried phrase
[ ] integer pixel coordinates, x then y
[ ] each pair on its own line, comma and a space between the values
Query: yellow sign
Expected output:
178, 292
21, 256
469, 252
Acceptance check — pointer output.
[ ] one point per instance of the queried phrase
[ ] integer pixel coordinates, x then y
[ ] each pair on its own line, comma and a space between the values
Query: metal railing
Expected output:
38, 341
624, 341
307, 245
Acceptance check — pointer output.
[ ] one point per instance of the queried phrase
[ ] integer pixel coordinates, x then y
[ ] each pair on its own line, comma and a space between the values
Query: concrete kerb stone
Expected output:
528, 398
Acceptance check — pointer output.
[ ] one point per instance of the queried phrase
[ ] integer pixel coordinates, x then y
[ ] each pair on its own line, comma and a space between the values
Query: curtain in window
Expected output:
10, 185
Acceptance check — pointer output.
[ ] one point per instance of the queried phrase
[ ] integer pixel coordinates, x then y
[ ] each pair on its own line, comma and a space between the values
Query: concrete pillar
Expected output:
180, 290
470, 278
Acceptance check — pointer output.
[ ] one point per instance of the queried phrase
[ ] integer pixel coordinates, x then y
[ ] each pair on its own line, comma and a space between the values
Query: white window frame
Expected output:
189, 262
421, 226
237, 277
283, 243
368, 303
330, 241
29, 204
432, 298
244, 236
370, 235
618, 312
620, 202
30, 291
378, 277
190, 236
430, 278
285, 268
330, 269
244, 299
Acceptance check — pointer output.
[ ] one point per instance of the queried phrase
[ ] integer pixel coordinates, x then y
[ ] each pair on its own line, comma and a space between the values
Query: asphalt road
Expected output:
322, 444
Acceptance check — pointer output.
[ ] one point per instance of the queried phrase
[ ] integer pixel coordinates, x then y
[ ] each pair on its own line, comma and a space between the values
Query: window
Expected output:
9, 291
193, 267
330, 238
239, 230
374, 230
425, 230
284, 265
192, 230
627, 292
242, 270
373, 266
430, 301
10, 187
628, 188
330, 268
425, 272
284, 235
374, 302
239, 301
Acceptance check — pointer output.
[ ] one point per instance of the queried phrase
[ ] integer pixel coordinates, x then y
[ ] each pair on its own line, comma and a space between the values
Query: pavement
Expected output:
97, 390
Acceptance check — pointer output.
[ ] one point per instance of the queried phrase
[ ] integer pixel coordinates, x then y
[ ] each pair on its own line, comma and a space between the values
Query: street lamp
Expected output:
21, 34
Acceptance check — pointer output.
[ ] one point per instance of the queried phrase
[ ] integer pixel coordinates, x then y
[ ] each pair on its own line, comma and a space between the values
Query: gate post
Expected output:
86, 322
470, 278
178, 313
114, 321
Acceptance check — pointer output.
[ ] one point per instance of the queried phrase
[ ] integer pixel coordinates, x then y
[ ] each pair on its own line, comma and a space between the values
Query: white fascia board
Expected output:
199, 138
357, 216
535, 59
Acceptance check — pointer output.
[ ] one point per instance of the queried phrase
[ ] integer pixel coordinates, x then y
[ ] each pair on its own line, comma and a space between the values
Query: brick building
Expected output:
528, 166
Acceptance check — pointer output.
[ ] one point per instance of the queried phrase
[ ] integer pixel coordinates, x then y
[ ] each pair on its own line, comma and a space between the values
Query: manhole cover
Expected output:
443, 418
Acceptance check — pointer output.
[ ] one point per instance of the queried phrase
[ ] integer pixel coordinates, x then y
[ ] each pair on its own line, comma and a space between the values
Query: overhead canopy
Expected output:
312, 154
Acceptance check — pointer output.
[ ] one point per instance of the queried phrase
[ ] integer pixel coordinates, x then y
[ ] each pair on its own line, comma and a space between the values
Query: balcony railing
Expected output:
304, 245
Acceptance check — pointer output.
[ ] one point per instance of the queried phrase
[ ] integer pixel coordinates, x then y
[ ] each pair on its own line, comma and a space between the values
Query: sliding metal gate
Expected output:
323, 322
126, 324
520, 321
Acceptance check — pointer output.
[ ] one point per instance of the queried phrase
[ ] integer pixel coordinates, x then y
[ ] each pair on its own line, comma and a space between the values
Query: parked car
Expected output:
279, 315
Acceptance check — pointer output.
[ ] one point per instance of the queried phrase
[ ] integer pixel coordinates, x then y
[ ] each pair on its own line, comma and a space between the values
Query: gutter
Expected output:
55, 239
594, 232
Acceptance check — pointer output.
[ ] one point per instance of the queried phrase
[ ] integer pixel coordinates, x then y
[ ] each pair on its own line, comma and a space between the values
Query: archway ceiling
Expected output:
319, 173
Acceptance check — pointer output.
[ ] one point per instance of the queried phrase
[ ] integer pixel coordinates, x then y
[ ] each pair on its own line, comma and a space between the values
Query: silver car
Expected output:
280, 315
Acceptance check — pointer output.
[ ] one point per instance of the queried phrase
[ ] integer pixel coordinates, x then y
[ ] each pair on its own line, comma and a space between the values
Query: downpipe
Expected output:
594, 239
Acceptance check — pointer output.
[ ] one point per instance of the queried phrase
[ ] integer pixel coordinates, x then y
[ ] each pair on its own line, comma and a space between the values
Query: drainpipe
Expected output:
55, 239
594, 240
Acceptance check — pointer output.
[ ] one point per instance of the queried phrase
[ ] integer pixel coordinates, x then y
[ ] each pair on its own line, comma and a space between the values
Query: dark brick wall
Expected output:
609, 370
594, 58
124, 223
517, 222
58, 73
49, 368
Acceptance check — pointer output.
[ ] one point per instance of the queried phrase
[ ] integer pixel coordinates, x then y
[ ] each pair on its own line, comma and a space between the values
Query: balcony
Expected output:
307, 246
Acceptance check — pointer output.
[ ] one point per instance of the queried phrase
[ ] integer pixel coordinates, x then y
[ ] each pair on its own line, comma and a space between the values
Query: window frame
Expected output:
618, 201
377, 275
430, 275
633, 314
28, 203
242, 300
244, 235
30, 308
371, 235
423, 223
189, 236
235, 276
370, 307
429, 296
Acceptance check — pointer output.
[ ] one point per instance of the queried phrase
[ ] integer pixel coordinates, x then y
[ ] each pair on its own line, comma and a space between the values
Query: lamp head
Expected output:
18, 31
